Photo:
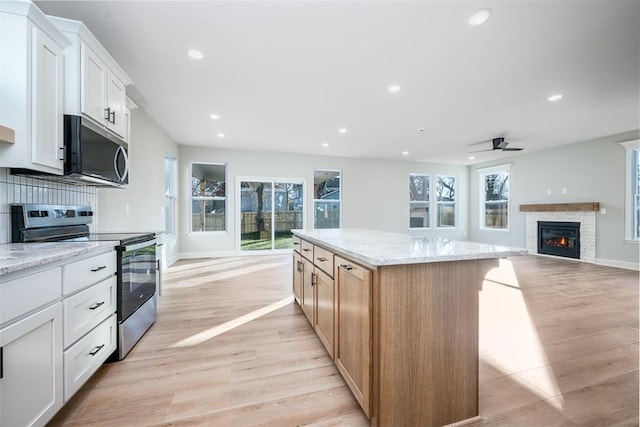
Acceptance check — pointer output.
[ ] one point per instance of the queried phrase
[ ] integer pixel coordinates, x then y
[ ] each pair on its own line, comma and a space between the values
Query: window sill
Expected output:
632, 241
500, 230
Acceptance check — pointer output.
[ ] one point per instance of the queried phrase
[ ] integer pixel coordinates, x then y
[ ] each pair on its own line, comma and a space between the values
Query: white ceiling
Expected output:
284, 76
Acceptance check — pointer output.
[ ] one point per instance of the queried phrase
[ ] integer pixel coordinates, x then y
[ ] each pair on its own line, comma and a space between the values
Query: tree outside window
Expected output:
208, 197
419, 188
495, 198
446, 199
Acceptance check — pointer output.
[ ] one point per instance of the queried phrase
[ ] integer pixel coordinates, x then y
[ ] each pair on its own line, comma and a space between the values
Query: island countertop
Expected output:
379, 248
19, 256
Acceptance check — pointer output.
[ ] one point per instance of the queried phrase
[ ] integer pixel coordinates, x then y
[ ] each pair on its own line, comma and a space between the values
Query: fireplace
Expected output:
559, 238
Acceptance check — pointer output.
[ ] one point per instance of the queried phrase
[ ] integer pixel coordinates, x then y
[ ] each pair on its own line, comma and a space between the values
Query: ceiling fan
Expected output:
499, 144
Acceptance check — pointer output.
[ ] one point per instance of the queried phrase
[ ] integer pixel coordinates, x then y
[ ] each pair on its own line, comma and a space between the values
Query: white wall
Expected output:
375, 193
592, 171
141, 206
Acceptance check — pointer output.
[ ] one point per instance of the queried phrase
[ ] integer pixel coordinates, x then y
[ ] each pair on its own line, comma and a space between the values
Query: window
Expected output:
169, 194
494, 197
419, 188
632, 211
446, 199
327, 204
208, 197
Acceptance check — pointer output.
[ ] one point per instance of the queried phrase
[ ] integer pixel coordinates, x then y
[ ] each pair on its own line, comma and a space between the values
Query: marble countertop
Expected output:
378, 248
19, 256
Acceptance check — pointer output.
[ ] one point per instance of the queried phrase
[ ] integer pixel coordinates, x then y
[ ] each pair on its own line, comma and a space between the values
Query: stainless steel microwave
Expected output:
92, 155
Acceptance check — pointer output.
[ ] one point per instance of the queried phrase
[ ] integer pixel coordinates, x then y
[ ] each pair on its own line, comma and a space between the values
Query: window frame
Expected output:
225, 199
454, 203
314, 201
631, 226
171, 193
429, 202
482, 173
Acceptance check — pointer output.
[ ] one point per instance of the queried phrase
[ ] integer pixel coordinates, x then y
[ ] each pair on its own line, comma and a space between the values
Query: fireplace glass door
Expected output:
559, 238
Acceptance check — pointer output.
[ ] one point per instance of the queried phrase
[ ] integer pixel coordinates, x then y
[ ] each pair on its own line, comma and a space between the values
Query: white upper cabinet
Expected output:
95, 85
31, 96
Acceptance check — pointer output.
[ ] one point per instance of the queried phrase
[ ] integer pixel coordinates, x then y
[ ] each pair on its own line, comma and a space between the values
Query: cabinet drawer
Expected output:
83, 358
86, 272
84, 310
296, 243
22, 295
307, 249
323, 259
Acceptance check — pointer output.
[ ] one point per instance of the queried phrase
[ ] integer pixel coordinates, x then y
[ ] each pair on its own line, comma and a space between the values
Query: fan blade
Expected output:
481, 151
512, 149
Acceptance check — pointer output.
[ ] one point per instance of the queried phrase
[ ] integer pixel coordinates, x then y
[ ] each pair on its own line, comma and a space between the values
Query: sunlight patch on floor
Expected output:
207, 334
509, 340
208, 278
209, 264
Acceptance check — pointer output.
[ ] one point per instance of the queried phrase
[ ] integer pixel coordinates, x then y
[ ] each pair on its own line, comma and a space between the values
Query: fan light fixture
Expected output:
480, 17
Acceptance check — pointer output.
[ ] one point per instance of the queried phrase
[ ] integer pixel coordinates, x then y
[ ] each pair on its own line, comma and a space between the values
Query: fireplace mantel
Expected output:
562, 207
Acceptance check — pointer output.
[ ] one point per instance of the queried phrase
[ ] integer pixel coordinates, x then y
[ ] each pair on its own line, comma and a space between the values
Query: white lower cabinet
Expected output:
57, 326
31, 368
83, 358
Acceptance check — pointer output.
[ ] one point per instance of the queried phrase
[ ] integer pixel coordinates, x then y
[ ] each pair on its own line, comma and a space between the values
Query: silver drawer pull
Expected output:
321, 259
346, 267
96, 350
102, 267
96, 305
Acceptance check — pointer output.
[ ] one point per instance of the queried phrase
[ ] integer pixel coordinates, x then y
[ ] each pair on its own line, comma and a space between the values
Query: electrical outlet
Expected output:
603, 211
564, 190
126, 208
549, 191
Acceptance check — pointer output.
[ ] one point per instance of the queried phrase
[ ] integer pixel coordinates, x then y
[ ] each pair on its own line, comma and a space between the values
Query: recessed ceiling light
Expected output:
214, 116
394, 88
405, 153
325, 144
555, 97
472, 157
480, 17
342, 130
221, 135
195, 54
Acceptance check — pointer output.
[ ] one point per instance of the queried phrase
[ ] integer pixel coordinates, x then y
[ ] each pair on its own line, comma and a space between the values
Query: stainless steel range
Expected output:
137, 266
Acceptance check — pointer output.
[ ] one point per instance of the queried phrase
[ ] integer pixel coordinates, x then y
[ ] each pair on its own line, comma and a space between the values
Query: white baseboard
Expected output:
213, 254
618, 264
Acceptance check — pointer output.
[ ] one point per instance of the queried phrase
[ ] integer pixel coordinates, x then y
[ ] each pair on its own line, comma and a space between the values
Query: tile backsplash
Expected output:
22, 189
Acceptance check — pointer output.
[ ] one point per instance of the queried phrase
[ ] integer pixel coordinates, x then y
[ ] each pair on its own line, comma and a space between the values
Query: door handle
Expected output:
97, 349
96, 305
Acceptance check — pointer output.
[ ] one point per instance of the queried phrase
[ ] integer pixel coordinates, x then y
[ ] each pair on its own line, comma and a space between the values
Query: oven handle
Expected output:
139, 245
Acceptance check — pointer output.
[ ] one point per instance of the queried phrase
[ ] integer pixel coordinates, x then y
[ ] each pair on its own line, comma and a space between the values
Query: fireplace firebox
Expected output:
559, 238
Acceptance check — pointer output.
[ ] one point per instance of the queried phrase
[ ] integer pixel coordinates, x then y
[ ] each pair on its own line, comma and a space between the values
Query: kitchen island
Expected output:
399, 316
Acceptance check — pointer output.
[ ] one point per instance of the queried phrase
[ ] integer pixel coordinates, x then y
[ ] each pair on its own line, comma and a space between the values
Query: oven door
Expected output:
137, 277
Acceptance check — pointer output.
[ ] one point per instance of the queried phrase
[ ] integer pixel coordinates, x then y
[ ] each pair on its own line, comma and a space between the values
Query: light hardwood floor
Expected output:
558, 344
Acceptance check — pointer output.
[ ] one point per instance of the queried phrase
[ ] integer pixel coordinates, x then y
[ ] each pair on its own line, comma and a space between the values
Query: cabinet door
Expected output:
116, 98
308, 295
297, 277
324, 309
46, 107
31, 370
353, 343
93, 77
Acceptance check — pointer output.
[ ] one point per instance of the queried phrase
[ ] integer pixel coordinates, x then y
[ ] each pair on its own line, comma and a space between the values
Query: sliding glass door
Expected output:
269, 210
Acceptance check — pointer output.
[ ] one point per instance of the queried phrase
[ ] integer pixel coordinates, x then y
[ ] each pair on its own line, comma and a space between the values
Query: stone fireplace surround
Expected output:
584, 213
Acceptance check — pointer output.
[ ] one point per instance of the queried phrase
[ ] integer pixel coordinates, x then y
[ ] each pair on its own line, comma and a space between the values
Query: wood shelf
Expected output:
562, 207
7, 135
